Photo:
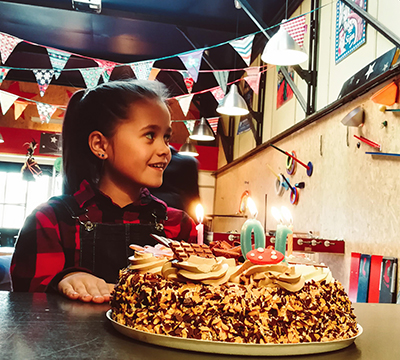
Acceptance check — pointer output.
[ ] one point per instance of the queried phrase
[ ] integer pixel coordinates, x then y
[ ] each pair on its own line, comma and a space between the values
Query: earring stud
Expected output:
102, 155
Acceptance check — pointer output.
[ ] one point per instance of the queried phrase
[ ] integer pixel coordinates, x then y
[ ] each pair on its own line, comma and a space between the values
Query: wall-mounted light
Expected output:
188, 149
233, 103
202, 131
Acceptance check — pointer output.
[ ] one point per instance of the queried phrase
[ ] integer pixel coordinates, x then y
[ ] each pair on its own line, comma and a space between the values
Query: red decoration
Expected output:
263, 256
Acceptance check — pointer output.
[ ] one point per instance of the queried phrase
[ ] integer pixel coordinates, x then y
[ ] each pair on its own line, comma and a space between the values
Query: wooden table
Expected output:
47, 326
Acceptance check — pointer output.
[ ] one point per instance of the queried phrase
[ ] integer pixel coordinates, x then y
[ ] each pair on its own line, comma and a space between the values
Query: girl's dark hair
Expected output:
102, 108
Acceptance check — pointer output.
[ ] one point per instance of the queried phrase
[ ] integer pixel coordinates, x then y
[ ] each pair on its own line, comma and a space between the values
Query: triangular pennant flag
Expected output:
214, 124
19, 107
222, 79
6, 100
58, 60
184, 102
91, 76
188, 81
296, 29
189, 125
244, 126
45, 111
192, 62
107, 66
253, 78
142, 69
218, 94
7, 45
243, 46
3, 74
153, 73
43, 78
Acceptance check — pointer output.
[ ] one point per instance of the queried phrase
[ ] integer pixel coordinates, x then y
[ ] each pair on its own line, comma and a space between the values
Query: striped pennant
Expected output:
244, 46
214, 124
296, 29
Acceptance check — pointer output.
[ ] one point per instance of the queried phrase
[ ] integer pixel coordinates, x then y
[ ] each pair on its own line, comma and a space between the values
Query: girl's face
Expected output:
138, 152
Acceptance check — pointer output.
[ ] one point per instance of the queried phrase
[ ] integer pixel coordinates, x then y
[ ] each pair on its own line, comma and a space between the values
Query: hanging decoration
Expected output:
244, 126
153, 73
218, 94
7, 45
30, 166
296, 29
6, 100
222, 79
107, 66
189, 125
184, 102
3, 74
43, 78
192, 62
45, 111
19, 107
188, 80
214, 124
91, 76
243, 47
58, 60
142, 69
253, 78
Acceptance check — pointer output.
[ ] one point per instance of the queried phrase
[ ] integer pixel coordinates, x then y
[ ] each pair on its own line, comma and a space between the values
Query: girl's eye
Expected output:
167, 138
150, 136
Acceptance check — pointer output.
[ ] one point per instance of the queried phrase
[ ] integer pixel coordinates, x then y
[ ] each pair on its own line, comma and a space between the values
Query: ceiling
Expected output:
127, 31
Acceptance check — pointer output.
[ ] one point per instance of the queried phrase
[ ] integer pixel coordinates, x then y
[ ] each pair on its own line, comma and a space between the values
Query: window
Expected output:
19, 197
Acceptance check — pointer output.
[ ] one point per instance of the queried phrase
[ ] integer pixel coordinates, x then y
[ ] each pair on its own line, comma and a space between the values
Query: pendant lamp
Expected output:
1, 139
281, 49
233, 104
188, 149
202, 131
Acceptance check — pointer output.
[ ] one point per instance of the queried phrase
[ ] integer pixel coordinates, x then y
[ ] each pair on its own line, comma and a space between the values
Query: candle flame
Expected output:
276, 214
252, 207
286, 214
199, 213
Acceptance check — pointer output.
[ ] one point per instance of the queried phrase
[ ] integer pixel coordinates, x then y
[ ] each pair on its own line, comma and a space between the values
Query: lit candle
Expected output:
200, 226
249, 227
282, 232
288, 217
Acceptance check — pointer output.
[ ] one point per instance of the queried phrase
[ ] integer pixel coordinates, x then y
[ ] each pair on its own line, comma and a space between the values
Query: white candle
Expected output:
288, 217
200, 226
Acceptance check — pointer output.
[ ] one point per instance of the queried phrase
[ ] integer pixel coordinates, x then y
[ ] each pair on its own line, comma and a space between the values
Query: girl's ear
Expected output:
98, 143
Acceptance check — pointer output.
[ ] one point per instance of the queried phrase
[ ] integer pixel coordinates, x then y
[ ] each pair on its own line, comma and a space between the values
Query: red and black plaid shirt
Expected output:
45, 242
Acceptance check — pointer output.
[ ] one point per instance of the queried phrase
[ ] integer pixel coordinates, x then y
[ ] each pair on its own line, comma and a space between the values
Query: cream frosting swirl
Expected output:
145, 262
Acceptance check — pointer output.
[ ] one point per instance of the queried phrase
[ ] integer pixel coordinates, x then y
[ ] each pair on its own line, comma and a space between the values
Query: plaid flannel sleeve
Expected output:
38, 254
180, 226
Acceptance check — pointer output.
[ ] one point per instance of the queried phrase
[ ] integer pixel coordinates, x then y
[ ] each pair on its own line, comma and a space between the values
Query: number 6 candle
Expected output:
249, 227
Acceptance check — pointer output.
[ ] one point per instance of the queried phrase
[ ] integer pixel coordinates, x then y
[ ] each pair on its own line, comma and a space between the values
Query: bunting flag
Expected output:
91, 76
218, 94
142, 69
188, 80
58, 60
222, 79
7, 45
45, 111
296, 29
43, 78
153, 73
192, 62
243, 47
244, 126
19, 107
214, 124
3, 74
189, 125
6, 100
107, 66
253, 78
184, 102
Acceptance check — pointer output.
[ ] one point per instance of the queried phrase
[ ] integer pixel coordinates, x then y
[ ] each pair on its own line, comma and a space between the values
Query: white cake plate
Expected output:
226, 348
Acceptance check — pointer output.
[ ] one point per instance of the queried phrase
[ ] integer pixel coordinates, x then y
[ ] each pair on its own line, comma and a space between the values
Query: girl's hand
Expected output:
85, 287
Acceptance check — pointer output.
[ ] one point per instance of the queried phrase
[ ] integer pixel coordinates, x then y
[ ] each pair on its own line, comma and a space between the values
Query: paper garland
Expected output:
222, 79
91, 76
6, 100
243, 47
19, 107
43, 78
192, 62
188, 80
142, 69
253, 79
7, 45
107, 66
218, 94
296, 29
214, 124
189, 125
58, 60
184, 102
45, 111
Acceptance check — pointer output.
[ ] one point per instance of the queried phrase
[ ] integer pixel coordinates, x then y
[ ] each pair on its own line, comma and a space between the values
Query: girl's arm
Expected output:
180, 226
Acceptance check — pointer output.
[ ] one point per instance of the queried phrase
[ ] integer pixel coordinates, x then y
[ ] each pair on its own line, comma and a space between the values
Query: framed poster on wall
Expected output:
350, 30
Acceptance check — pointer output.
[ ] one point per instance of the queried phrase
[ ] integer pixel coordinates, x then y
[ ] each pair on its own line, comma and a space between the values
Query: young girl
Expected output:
115, 144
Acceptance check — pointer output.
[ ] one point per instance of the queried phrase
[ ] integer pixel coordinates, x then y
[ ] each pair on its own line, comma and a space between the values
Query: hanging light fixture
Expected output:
1, 139
188, 149
281, 49
202, 131
233, 103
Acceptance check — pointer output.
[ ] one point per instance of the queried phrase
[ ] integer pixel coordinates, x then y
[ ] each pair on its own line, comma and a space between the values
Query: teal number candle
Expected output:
282, 232
251, 226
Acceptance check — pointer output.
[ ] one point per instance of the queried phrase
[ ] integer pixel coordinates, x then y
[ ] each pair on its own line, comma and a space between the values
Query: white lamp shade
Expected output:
233, 104
202, 132
281, 49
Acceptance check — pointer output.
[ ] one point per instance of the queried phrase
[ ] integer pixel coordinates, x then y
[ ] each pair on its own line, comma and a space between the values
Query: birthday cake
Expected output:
218, 299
